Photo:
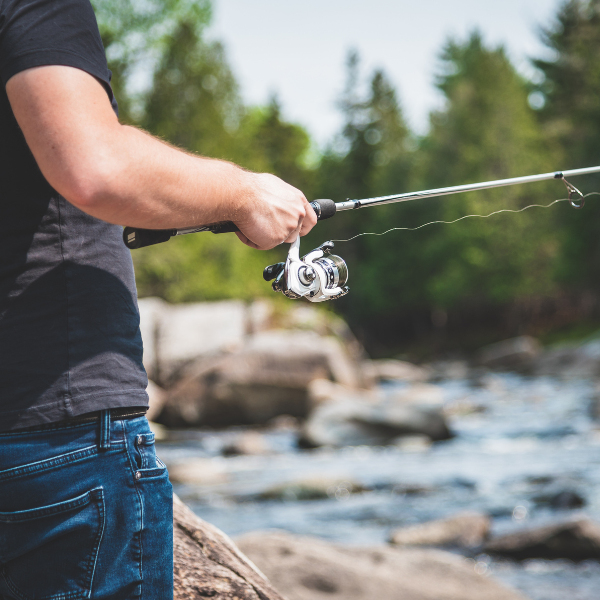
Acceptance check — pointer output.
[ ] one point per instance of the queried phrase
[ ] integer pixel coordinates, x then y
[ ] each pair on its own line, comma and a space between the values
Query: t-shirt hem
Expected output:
42, 57
55, 412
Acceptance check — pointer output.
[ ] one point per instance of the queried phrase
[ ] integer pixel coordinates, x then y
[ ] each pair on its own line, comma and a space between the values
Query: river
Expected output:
519, 442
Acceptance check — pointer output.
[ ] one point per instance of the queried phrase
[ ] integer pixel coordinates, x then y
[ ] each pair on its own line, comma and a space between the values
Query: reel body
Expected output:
318, 276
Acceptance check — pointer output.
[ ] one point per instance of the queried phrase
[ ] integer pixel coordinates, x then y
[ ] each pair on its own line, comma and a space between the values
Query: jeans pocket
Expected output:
50, 553
147, 463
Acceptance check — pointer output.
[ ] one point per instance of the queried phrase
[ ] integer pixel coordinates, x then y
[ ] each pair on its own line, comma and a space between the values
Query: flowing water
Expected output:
519, 442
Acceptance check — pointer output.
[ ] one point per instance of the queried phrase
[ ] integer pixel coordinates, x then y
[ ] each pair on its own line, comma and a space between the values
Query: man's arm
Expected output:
125, 176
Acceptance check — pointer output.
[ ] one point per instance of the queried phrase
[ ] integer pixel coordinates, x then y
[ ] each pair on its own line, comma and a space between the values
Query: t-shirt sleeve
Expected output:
34, 33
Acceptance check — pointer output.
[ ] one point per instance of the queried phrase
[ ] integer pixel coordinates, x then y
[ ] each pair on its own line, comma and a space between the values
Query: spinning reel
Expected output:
318, 276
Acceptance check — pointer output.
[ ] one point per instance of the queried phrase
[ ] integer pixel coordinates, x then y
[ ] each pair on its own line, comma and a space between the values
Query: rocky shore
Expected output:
261, 376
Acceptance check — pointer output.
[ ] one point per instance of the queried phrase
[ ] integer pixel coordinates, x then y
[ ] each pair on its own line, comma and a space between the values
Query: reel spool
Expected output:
318, 276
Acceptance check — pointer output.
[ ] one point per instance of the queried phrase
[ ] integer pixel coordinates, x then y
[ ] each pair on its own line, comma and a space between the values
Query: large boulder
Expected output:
466, 530
570, 361
175, 335
207, 564
356, 418
394, 370
304, 568
516, 353
575, 539
151, 313
269, 376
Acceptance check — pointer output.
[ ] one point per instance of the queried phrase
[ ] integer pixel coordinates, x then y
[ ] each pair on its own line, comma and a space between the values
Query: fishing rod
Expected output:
320, 275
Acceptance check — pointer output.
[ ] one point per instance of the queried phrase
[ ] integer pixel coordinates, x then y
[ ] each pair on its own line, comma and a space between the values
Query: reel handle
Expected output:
135, 238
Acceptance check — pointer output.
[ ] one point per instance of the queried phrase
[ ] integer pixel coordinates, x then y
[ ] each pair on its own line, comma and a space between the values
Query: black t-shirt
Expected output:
69, 323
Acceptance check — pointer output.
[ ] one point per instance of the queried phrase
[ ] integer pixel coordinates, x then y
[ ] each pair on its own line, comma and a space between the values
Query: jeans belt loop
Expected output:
105, 429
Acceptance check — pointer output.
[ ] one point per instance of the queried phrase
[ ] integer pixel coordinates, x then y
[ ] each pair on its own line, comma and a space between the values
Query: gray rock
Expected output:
268, 377
198, 471
304, 568
515, 353
313, 489
151, 312
157, 398
247, 443
175, 335
359, 419
562, 500
576, 539
467, 530
393, 370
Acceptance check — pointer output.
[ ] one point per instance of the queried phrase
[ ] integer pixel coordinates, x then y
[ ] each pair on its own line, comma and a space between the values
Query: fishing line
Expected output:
496, 212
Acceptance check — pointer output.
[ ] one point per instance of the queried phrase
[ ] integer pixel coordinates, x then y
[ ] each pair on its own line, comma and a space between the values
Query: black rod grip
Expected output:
139, 238
325, 209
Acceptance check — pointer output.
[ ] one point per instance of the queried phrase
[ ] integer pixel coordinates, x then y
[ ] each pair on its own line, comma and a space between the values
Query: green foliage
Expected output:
371, 156
571, 118
200, 267
487, 131
194, 104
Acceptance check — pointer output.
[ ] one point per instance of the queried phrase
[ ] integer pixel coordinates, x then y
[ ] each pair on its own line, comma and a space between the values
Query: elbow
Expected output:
93, 188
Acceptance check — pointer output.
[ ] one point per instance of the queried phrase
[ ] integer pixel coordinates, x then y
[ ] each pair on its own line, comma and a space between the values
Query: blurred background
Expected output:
461, 372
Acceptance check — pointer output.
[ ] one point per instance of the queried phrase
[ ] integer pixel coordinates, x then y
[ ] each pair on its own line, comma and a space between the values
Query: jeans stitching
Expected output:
51, 463
139, 495
47, 511
100, 535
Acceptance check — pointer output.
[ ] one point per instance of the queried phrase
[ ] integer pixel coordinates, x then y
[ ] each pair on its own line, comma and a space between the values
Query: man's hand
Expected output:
125, 176
276, 213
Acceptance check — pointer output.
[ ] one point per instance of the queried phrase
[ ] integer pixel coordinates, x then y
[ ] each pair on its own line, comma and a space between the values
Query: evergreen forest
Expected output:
435, 290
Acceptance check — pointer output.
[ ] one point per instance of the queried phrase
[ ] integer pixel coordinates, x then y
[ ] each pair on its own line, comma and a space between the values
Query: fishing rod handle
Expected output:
135, 238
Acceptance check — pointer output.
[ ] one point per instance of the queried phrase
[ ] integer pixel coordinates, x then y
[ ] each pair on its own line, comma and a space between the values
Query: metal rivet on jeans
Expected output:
140, 439
137, 474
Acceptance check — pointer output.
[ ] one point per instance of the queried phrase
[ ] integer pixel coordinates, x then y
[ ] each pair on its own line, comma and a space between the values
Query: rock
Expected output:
449, 369
576, 539
248, 443
313, 489
393, 370
157, 397
207, 564
189, 331
151, 311
565, 499
198, 471
304, 568
269, 377
420, 393
174, 335
413, 443
570, 361
515, 353
364, 419
466, 530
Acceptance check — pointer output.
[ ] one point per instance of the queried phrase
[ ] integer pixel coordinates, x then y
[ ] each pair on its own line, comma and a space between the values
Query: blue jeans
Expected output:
86, 511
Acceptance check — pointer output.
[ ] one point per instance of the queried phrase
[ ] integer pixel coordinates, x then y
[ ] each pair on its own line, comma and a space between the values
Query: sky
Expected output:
297, 50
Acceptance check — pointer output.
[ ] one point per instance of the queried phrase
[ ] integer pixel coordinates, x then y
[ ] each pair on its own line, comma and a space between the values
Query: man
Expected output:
85, 505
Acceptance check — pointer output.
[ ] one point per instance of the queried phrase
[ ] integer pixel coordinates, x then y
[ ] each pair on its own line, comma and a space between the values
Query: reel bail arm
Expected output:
318, 276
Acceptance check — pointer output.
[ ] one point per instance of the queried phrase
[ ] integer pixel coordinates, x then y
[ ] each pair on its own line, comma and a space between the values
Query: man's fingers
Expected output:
309, 221
292, 237
246, 241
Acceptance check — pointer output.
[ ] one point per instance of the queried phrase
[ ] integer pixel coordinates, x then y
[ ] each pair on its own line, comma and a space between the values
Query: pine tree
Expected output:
486, 131
571, 118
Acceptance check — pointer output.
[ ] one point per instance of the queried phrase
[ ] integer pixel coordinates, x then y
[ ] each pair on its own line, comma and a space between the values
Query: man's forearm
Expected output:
153, 185
123, 175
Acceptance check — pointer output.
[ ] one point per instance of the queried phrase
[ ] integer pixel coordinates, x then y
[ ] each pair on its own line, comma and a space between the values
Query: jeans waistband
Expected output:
115, 414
